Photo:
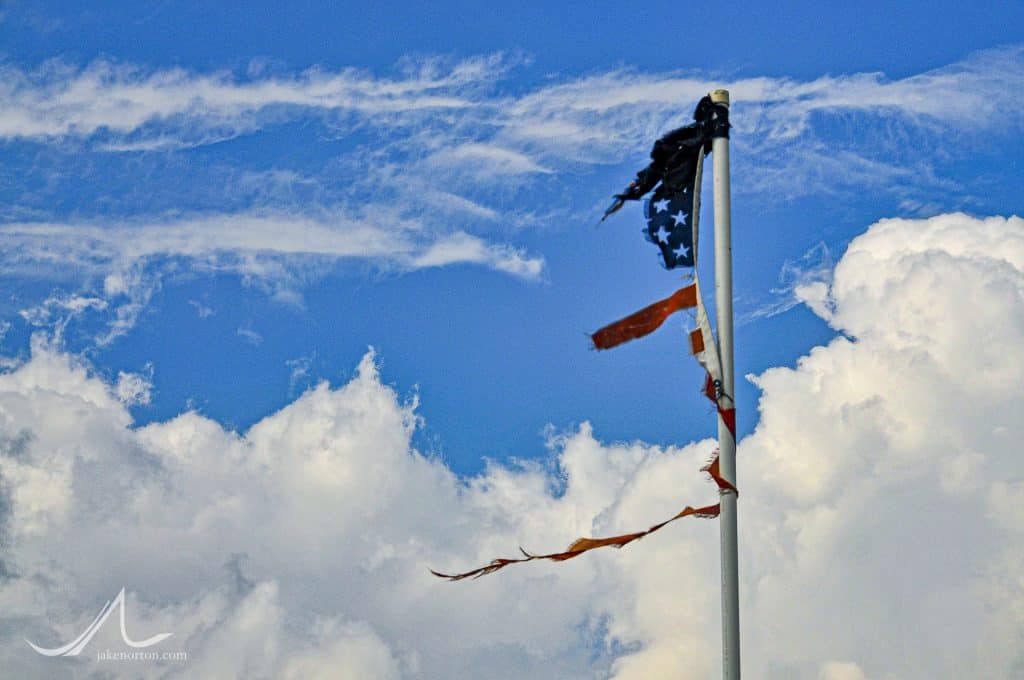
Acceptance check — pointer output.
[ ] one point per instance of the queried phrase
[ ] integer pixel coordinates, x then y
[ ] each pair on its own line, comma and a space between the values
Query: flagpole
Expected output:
726, 440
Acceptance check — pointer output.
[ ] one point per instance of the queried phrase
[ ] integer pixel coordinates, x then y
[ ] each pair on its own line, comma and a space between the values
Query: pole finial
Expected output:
720, 97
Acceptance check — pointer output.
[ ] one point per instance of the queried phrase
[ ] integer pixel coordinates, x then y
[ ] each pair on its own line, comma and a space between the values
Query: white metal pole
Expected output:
726, 441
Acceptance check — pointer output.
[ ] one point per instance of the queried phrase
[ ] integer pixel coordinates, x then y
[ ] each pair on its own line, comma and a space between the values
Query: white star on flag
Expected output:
681, 251
661, 205
680, 218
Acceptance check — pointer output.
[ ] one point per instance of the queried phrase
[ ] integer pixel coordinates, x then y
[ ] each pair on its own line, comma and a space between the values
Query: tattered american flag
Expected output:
669, 215
672, 224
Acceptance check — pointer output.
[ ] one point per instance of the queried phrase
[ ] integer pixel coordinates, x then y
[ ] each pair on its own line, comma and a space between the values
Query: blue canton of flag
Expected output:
670, 225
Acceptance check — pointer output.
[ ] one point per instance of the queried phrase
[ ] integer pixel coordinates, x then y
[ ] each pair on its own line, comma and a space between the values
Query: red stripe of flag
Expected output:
646, 321
582, 545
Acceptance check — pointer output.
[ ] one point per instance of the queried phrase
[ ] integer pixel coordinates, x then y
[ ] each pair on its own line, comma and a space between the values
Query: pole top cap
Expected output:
720, 97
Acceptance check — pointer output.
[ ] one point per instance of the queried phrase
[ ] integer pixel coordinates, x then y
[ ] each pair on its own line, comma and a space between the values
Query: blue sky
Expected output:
495, 358
214, 210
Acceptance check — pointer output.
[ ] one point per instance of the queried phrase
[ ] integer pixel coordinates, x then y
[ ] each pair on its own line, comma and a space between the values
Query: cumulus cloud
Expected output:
875, 454
881, 512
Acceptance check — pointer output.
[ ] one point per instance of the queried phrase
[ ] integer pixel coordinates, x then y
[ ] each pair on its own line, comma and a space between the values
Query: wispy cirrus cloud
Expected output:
598, 118
58, 100
856, 130
433, 163
117, 267
449, 126
245, 243
487, 161
802, 280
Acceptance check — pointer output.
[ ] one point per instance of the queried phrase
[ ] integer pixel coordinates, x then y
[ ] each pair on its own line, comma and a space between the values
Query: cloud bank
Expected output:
882, 512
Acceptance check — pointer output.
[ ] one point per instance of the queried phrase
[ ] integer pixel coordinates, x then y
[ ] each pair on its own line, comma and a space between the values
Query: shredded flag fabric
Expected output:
646, 321
673, 215
650, 318
705, 350
582, 545
673, 174
702, 341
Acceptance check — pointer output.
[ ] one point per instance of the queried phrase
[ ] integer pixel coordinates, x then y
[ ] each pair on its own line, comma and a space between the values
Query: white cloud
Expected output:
133, 389
448, 152
125, 262
603, 117
803, 280
339, 520
249, 335
70, 305
299, 373
486, 161
211, 240
881, 512
202, 311
59, 100
873, 456
125, 291
460, 119
837, 670
346, 652
461, 247
247, 244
